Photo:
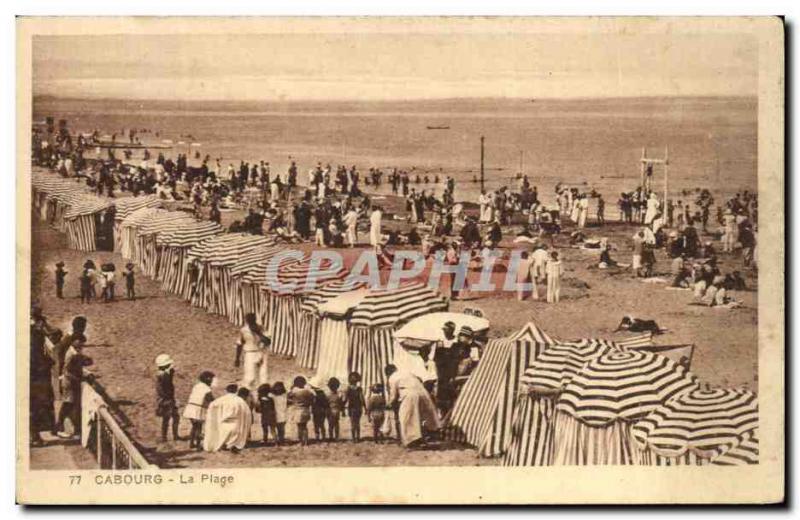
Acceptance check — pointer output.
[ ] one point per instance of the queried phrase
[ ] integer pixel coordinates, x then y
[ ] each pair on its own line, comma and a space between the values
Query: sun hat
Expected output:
163, 360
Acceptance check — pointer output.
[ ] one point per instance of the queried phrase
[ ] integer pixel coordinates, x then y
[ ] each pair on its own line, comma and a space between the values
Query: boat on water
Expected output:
438, 127
129, 146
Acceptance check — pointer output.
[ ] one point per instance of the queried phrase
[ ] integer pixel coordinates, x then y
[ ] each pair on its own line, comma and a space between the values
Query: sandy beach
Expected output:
125, 337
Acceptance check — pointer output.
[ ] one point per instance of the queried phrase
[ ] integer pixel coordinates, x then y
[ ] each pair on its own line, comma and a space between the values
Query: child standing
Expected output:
354, 398
554, 271
130, 281
266, 406
60, 275
376, 407
166, 405
86, 284
199, 399
335, 407
300, 399
279, 398
319, 410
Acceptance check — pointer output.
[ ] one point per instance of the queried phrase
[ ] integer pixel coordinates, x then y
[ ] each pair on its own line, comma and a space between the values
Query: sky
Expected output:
379, 66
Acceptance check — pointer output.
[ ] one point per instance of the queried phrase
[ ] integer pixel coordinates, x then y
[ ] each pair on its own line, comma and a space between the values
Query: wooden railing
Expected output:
108, 442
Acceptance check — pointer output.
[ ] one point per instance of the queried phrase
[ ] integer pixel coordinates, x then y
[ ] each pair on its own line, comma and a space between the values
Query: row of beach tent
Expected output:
533, 399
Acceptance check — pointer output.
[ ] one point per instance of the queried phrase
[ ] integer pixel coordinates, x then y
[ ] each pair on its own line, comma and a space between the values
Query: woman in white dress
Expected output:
252, 352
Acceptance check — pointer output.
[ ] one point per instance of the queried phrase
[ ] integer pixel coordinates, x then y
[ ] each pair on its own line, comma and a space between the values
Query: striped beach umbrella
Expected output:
596, 409
699, 424
382, 308
532, 437
743, 453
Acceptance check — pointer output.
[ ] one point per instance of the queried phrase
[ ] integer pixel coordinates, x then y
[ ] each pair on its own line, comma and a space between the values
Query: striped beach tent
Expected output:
174, 244
308, 347
597, 408
697, 426
125, 207
483, 412
81, 221
247, 276
147, 234
129, 229
532, 437
365, 341
216, 256
294, 279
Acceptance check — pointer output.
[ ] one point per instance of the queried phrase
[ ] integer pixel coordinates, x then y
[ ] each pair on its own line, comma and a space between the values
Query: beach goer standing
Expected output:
319, 409
351, 220
130, 281
197, 406
583, 211
254, 344
300, 399
376, 407
539, 257
266, 408
335, 408
554, 271
71, 377
375, 226
60, 275
356, 405
731, 230
42, 398
166, 405
524, 275
281, 404
638, 249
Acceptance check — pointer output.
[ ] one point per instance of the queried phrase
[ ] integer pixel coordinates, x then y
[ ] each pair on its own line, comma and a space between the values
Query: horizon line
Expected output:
401, 100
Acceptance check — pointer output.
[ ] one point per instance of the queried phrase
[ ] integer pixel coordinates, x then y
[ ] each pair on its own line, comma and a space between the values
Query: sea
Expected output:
711, 142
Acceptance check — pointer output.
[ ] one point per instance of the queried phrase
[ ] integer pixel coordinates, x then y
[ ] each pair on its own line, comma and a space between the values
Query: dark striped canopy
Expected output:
623, 386
126, 206
225, 249
252, 264
85, 204
705, 422
313, 299
295, 277
393, 307
189, 234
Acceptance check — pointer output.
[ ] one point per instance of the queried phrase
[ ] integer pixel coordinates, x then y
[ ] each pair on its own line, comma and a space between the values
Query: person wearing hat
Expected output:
166, 405
60, 275
130, 281
446, 357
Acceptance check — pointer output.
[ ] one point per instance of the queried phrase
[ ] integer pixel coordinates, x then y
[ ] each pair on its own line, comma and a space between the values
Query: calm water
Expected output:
712, 141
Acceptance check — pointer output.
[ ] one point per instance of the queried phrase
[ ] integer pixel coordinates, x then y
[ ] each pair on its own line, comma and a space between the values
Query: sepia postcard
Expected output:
375, 260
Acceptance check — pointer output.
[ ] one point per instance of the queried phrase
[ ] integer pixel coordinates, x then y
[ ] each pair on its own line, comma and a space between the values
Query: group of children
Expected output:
322, 405
91, 277
306, 401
